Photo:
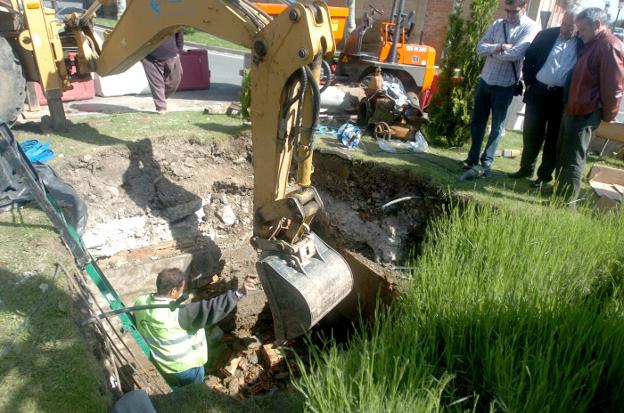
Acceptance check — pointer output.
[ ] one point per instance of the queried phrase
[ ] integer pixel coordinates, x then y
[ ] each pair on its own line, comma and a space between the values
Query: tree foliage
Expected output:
452, 105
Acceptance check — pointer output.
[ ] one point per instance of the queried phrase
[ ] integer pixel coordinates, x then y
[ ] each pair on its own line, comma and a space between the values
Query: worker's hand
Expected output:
249, 283
506, 46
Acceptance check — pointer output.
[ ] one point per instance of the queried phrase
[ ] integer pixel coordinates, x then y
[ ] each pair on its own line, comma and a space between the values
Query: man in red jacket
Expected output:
595, 94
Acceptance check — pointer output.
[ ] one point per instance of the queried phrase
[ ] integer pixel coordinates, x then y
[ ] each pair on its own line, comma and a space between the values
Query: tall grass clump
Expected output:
514, 311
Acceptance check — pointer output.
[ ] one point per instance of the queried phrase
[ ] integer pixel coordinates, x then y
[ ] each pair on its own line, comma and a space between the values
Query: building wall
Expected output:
431, 20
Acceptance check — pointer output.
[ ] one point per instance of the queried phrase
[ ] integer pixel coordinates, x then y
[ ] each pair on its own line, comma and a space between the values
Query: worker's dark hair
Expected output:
520, 3
169, 279
592, 15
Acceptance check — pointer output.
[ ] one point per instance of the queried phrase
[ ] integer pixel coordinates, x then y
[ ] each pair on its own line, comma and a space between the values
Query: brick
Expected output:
271, 356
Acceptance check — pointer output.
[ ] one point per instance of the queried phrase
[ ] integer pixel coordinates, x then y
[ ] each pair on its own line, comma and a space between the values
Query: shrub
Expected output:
245, 95
451, 107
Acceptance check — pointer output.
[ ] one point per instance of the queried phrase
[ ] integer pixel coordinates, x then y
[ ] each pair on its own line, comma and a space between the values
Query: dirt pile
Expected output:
149, 192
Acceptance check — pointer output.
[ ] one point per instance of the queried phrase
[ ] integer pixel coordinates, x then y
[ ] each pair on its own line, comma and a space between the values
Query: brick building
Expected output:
431, 18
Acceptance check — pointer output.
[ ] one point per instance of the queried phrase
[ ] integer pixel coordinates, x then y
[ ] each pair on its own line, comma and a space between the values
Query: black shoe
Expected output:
519, 174
539, 183
467, 164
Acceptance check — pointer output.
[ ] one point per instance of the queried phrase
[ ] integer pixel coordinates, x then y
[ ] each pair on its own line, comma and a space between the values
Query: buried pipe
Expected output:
407, 198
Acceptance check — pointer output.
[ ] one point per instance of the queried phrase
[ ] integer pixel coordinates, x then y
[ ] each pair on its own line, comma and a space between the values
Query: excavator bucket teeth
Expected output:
301, 295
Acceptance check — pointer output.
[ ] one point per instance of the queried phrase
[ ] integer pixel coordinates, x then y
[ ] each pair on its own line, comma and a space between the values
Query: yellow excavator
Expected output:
303, 277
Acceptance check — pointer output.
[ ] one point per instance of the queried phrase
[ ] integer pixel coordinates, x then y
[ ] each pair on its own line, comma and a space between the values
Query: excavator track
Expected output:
12, 84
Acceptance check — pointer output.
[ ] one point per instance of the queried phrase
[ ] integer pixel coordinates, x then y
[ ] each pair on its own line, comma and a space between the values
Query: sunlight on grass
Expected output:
88, 134
509, 311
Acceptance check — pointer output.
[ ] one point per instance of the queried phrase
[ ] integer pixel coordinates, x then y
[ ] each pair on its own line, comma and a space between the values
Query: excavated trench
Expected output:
182, 203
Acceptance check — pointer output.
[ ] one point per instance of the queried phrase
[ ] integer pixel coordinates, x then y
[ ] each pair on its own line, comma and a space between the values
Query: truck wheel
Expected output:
12, 84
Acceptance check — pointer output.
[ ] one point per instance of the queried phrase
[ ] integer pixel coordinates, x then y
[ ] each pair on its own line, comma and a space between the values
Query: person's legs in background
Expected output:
173, 75
155, 73
501, 99
554, 112
572, 144
532, 133
480, 115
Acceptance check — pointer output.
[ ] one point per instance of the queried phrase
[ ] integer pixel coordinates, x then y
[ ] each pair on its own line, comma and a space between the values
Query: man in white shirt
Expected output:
547, 65
503, 46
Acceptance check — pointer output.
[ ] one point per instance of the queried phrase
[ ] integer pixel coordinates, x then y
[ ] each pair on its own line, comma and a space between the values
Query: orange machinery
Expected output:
338, 16
372, 44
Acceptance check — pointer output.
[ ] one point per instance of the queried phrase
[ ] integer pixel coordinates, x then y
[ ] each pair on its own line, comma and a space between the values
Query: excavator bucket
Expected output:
301, 293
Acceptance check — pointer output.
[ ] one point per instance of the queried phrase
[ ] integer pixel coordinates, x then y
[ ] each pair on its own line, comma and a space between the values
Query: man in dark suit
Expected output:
547, 64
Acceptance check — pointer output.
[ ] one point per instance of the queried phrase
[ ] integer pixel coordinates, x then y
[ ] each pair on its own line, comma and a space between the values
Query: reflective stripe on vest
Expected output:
172, 347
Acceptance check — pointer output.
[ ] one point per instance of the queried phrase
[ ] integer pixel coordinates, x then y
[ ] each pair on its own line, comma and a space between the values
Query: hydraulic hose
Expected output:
316, 102
327, 71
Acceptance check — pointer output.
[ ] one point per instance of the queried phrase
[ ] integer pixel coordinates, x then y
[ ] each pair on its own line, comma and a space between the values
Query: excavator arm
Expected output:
302, 276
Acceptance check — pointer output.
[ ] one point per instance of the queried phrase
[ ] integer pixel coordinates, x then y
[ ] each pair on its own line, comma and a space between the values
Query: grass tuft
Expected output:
508, 311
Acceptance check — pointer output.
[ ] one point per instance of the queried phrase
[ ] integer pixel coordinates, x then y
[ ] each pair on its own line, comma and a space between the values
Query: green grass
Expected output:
196, 36
196, 399
86, 135
509, 310
211, 40
49, 368
105, 21
442, 164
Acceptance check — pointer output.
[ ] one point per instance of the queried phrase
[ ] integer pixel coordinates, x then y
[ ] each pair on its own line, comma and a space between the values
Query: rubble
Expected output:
227, 215
258, 369
271, 356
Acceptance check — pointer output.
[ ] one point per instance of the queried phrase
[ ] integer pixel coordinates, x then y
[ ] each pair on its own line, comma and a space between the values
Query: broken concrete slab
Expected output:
134, 279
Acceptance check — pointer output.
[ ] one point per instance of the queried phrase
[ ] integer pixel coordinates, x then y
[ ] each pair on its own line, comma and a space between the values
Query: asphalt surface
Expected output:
225, 66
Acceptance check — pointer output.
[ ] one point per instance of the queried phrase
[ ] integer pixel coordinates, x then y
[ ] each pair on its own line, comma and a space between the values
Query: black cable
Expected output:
316, 104
327, 71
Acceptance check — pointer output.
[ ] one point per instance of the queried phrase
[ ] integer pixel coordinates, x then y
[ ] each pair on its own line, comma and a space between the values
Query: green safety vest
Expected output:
173, 348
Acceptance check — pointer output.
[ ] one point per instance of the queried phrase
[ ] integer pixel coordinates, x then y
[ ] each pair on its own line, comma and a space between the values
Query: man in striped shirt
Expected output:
503, 46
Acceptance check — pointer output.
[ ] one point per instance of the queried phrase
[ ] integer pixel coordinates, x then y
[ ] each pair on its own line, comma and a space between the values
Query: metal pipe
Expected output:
398, 28
91, 11
394, 14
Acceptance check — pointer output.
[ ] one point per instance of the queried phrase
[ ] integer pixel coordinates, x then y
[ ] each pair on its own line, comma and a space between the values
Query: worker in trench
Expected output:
176, 337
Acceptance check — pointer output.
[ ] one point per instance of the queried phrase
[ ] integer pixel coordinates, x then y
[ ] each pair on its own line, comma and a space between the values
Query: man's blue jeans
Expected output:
191, 376
495, 99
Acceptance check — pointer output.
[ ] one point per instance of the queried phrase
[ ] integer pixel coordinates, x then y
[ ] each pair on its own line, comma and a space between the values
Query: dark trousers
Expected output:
495, 99
574, 136
542, 119
164, 78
